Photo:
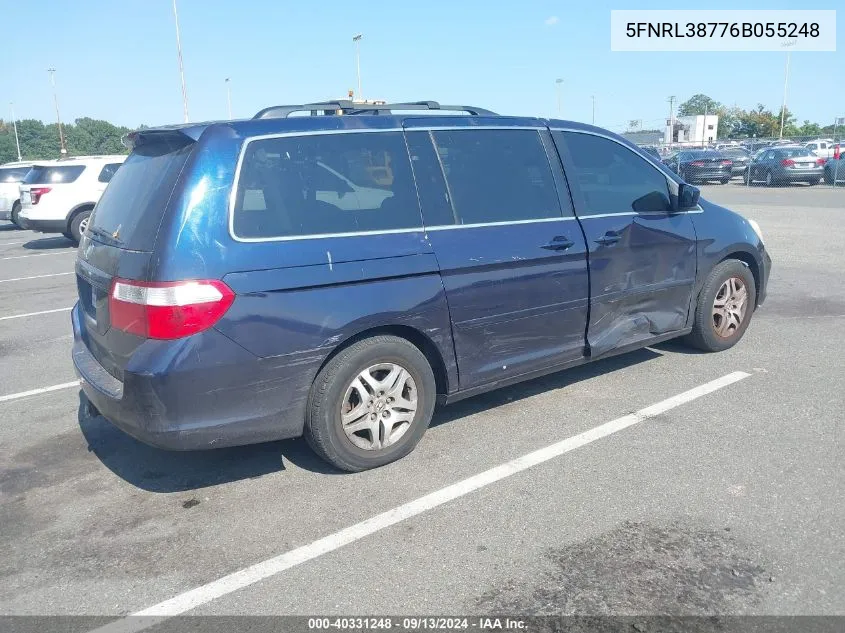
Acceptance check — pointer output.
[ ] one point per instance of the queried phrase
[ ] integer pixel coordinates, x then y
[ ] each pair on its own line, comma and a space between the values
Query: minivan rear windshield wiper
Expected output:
108, 237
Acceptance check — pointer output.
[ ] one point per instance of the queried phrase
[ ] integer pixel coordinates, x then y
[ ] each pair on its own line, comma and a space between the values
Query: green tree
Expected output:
698, 104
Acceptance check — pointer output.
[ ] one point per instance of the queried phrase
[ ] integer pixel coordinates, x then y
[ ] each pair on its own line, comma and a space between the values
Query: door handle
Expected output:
608, 239
559, 243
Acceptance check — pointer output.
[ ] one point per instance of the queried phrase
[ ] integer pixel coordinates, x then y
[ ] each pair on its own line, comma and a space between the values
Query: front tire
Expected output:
78, 224
724, 307
371, 404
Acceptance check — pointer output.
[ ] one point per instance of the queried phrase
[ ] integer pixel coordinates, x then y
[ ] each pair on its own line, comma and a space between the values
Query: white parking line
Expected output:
29, 314
2, 281
71, 252
260, 571
35, 392
12, 243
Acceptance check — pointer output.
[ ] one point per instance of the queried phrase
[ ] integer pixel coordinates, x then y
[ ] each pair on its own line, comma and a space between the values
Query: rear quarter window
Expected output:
56, 174
326, 184
13, 174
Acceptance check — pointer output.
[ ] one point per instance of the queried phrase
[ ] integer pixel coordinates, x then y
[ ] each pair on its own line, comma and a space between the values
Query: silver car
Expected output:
11, 175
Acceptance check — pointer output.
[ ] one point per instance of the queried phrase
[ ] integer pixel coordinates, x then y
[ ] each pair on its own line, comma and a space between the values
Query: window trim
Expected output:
417, 229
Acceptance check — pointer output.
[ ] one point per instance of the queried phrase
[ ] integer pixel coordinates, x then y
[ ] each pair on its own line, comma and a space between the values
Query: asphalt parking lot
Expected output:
727, 502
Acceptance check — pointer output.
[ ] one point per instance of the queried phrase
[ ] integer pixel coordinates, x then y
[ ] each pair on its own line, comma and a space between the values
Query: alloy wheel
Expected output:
379, 406
730, 307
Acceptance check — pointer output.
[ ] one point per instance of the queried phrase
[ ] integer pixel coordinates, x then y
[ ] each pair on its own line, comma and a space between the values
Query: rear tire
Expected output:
358, 442
713, 329
77, 225
16, 209
769, 181
828, 178
725, 181
813, 182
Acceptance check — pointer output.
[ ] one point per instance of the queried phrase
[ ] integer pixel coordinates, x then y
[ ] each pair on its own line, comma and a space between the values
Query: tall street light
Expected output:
229, 97
181, 67
62, 147
357, 40
594, 109
785, 84
559, 83
15, 125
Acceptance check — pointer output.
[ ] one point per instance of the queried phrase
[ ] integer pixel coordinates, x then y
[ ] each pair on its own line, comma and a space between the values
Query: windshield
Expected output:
133, 204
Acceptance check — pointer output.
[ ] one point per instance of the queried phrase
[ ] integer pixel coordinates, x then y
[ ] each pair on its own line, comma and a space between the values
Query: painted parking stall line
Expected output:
38, 392
70, 252
3, 281
204, 594
32, 314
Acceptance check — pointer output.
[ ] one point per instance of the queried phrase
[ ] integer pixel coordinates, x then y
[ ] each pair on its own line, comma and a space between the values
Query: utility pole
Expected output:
229, 97
18, 143
62, 147
181, 67
785, 83
559, 83
357, 40
672, 119
594, 109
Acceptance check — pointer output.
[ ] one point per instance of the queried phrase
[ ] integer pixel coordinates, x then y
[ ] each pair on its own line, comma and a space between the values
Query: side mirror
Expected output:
687, 196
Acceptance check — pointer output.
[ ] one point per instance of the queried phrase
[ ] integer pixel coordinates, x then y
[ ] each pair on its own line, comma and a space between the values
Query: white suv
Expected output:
11, 176
58, 197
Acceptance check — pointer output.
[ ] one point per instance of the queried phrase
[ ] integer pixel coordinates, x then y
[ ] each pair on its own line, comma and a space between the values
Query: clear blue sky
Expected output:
116, 59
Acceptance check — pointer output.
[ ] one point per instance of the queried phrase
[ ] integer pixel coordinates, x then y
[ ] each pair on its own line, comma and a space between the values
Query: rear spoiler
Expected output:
176, 135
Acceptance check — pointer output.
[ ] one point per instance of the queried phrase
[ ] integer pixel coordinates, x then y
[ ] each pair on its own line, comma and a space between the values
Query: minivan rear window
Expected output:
56, 174
132, 206
13, 174
325, 184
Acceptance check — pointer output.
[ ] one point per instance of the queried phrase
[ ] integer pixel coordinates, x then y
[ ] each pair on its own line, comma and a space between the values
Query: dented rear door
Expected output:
642, 256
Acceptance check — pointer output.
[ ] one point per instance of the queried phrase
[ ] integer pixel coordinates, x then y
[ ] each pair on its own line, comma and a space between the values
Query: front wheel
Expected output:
724, 307
371, 404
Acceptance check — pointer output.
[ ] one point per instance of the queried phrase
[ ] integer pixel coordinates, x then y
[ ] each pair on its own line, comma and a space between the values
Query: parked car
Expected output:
651, 150
740, 159
834, 170
507, 248
701, 165
58, 197
823, 148
11, 175
784, 165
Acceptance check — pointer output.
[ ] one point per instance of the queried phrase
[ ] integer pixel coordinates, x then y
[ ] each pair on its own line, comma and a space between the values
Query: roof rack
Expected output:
351, 108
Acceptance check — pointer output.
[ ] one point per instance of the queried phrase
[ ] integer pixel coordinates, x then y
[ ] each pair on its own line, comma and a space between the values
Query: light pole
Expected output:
15, 125
62, 148
785, 83
559, 83
594, 109
229, 97
181, 67
357, 40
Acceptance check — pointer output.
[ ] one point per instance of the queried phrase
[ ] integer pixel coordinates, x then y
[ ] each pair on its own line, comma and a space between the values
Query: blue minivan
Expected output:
334, 272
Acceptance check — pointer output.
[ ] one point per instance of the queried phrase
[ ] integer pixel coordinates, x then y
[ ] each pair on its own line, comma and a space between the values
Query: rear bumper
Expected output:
197, 393
798, 175
42, 226
707, 174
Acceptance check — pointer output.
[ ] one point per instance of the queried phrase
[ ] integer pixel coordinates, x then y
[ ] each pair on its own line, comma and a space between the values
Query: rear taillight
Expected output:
697, 163
787, 162
36, 193
167, 309
820, 161
727, 162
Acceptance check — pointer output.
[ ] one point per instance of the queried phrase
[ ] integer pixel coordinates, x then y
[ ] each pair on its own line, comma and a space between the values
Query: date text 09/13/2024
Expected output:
416, 623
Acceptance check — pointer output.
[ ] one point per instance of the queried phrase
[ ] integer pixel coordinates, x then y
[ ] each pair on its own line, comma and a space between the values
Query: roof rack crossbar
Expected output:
349, 107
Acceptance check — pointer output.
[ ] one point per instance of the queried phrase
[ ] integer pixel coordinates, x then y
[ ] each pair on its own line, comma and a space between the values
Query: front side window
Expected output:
497, 175
325, 184
612, 178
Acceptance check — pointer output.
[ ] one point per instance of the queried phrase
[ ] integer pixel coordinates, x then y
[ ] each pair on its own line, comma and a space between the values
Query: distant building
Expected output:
693, 130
